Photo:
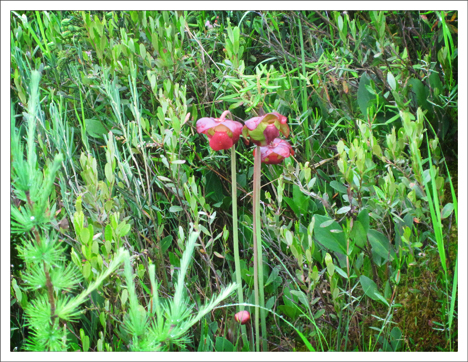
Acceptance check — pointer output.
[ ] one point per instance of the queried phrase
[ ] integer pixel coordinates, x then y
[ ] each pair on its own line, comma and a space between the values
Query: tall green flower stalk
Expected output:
235, 236
258, 258
263, 132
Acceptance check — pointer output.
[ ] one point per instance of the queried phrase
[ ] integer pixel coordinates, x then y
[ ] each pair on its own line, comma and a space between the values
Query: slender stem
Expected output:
235, 236
255, 248
258, 231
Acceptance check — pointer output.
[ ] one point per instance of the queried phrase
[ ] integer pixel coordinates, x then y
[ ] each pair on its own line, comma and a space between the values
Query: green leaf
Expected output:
326, 223
395, 336
108, 246
273, 275
329, 263
391, 80
289, 237
247, 276
358, 234
340, 23
343, 210
166, 243
435, 83
420, 92
447, 211
95, 248
108, 171
84, 235
223, 345
108, 233
319, 313
175, 208
379, 192
218, 255
123, 229
301, 200
288, 298
124, 296
369, 287
174, 259
84, 341
214, 187
17, 291
363, 217
236, 105
360, 228
95, 128
292, 205
380, 244
290, 311
387, 290
102, 319
165, 179
339, 187
331, 240
270, 303
381, 298
87, 270
142, 51
341, 272
363, 95
301, 296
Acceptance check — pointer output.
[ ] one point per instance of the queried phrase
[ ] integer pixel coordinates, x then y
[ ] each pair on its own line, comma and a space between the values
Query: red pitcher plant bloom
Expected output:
275, 152
242, 317
222, 133
264, 129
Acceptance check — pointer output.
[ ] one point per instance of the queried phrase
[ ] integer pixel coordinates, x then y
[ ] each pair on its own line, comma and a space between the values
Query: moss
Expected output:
423, 299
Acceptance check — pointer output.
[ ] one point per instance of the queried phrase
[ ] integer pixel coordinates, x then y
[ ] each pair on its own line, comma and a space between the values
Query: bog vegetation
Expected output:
135, 228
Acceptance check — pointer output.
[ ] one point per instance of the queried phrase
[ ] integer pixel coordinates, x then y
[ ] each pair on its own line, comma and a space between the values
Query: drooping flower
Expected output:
275, 152
242, 317
264, 129
222, 133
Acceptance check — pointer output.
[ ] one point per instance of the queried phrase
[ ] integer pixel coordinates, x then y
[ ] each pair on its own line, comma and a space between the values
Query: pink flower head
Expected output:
264, 129
242, 317
275, 152
222, 133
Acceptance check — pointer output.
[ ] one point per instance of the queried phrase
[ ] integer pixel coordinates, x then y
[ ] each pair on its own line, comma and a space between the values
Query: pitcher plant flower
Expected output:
264, 129
222, 133
275, 152
243, 317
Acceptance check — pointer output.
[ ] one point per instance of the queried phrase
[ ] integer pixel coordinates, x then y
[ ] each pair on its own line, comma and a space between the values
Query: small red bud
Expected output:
242, 317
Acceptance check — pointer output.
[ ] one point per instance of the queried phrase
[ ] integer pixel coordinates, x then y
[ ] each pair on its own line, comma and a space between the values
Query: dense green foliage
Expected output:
121, 213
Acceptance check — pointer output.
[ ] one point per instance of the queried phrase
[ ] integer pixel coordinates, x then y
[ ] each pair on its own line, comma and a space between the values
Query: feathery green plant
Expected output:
46, 270
166, 323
